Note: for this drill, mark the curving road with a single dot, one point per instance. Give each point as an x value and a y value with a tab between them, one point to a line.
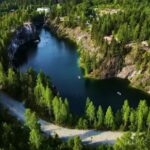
93	137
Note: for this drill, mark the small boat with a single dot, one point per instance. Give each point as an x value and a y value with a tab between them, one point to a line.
36	41
119	93
79	77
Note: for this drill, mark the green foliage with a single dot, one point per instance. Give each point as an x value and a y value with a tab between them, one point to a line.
77	144
43	94
125	112
31	120
131	141
118	119
2	76
100	117
35	138
109	118
82	123
12	134
142	112
132	119
131	24
61	110
90	111
123	22
12	78
15	136
148	121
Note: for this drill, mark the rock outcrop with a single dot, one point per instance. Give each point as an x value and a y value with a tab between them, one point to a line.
23	35
133	66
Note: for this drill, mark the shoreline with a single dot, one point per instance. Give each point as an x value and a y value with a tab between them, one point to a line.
91	137
61	33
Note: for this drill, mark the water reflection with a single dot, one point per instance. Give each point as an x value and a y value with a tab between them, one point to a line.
58	59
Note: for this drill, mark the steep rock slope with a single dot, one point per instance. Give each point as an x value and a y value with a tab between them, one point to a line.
133	65
24	34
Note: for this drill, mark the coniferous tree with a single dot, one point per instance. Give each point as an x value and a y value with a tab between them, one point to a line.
148	121
100	117
56	108
77	143
82	123
125	112
48	97
31	120
109	118
118	119
2	77
142	112
90	112
132	119
35	138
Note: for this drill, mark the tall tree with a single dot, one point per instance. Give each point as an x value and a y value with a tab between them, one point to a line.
61	110
12	78
109	118
2	77
48	97
77	143
118	119
125	112
132	119
148	121
56	108
142	112
39	91
31	120
35	138
90	112
100	117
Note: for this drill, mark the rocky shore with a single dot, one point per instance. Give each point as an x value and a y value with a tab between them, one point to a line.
109	68
24	34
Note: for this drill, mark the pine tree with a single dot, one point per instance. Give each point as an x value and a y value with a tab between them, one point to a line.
31	120
132	119
148	121
142	112
56	108
39	91
77	143
109	118
48	96
11	79
82	123
90	112
60	110
2	77
35	138
123	34
136	32
125	112
87	102
100	117
118	119
63	113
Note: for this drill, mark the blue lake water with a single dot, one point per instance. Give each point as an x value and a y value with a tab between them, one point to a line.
59	60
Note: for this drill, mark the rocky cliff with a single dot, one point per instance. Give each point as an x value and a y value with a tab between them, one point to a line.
23	35
135	65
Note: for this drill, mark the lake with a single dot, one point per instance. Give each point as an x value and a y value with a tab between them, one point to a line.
59	60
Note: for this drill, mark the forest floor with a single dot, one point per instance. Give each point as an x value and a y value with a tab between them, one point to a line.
92	137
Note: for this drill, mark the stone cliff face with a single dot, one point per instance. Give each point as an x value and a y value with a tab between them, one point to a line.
126	68
23	35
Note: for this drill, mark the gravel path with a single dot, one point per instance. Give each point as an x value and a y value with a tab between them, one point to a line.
93	137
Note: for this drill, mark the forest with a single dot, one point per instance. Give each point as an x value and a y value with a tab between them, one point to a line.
130	25
38	94
118	29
